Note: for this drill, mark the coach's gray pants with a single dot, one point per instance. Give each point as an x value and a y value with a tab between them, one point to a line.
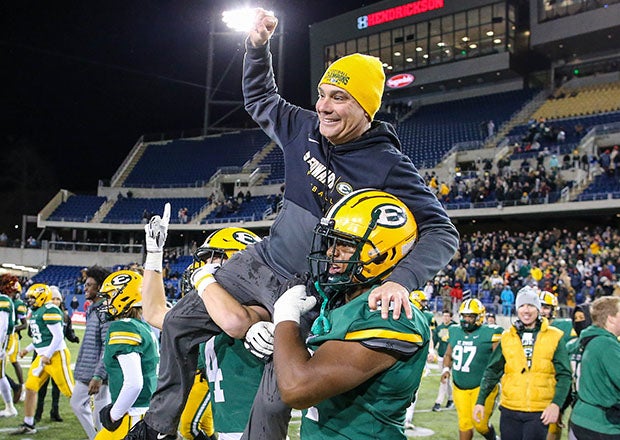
81	405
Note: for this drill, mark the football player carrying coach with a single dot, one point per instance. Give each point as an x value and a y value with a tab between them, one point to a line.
328	153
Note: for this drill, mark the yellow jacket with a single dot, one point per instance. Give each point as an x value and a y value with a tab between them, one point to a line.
533	389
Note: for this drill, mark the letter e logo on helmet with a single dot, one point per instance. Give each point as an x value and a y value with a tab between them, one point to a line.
391	216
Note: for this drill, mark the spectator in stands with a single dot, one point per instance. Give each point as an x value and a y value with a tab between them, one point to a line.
605	161
490	128
75	304
248	196
554	163
4	239
507	298
456	295
596	414
91	379
344	113
614	159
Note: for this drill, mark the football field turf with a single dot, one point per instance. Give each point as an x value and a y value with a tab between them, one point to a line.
442	424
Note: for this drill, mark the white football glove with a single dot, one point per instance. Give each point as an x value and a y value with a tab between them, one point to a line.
157	231
292	304
259	339
203	276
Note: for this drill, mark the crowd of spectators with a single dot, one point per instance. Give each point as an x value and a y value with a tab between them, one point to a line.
577	266
529	184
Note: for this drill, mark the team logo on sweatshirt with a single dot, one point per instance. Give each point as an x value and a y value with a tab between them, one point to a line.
344	188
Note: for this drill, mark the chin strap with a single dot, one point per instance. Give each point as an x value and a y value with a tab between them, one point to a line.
321	324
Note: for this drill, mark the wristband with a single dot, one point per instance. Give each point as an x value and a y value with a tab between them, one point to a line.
445	370
205	281
154	261
95	377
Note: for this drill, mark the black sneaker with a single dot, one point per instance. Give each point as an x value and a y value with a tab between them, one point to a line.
142	431
55	417
24	428
450	404
436	407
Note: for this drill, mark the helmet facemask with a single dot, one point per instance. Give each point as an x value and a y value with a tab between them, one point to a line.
119	294
475	308
327	240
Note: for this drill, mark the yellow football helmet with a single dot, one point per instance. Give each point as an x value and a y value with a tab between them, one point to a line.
38	295
224	243
378	225
419	299
550	300
120	291
472	307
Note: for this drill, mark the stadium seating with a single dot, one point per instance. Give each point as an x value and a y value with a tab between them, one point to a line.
133	210
78	208
587	100
433	130
603	187
189	162
251	210
275	159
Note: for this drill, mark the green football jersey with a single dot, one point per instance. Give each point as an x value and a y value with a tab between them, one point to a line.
6	305
566	325
234	375
471	352
21	309
39	323
376	408
440	337
126	336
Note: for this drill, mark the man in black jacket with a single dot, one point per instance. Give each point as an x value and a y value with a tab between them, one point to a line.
328	153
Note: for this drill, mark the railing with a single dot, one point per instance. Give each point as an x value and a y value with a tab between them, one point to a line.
95	247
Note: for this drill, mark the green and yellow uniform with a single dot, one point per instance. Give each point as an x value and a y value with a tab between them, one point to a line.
126	336
470	353
20	312
6	307
441	336
44	344
377	406
234	375
197	414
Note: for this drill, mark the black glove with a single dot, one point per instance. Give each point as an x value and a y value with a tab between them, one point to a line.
106	420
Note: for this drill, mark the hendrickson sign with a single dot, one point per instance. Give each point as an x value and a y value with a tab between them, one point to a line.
398	12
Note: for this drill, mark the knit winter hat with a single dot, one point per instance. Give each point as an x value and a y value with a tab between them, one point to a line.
527	295
56	292
360	75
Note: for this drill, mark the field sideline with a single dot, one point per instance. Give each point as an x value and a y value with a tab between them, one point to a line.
443	423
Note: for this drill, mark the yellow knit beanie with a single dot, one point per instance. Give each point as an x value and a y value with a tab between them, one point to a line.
360	75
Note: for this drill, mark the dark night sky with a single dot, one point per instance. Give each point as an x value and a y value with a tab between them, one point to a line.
84	79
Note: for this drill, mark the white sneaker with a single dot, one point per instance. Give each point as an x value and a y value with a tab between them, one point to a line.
8	412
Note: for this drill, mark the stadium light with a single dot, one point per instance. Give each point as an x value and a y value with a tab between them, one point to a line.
240	20
237	21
